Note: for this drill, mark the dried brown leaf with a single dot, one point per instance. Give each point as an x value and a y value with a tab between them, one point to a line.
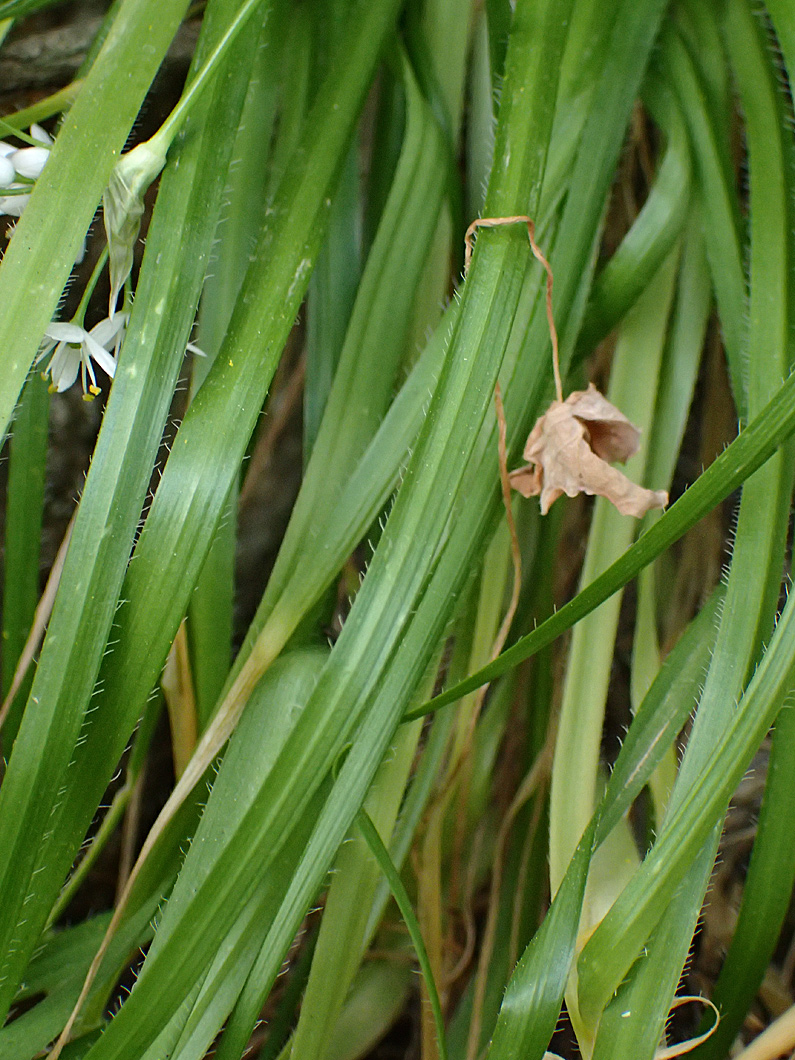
570	450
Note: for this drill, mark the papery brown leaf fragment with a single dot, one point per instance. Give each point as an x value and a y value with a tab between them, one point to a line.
570	450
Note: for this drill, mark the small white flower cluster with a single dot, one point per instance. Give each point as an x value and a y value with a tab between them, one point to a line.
19	168
75	348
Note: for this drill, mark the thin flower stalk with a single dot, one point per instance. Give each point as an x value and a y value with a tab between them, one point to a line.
123	201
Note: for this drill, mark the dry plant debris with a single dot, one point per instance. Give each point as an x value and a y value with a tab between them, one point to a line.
570	450
571	447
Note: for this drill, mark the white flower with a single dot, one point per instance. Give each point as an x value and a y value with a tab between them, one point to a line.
76	349
25	162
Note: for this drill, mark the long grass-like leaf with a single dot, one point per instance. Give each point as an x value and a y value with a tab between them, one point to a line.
41	826
144	621
374	346
772	868
633	388
376	844
715	179
784	24
649	241
55	975
765	895
535	993
382	611
347	916
369	744
211	605
192	1028
190	496
690	824
24	511
755	574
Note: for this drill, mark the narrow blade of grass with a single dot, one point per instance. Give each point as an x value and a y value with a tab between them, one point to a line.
37	841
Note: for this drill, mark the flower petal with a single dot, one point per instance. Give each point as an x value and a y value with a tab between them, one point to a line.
123	207
44	349
107	329
13	205
37	133
7	172
64	366
30	161
105	360
63	332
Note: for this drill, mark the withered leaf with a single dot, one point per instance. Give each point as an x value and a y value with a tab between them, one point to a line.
570	450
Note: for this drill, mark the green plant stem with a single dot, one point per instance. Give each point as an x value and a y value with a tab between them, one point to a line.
56	103
204	75
85	298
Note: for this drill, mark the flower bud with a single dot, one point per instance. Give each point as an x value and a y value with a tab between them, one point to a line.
41	135
7	173
123	206
30	161
13	205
